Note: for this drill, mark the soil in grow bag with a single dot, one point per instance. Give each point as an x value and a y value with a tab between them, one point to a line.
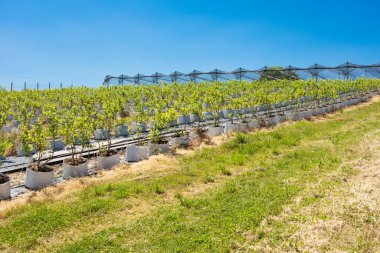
45	168
76	162
107	153
3	178
201	132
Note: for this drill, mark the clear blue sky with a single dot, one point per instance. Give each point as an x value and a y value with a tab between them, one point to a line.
81	41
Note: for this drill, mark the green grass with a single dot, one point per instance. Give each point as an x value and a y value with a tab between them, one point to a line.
278	166
216	221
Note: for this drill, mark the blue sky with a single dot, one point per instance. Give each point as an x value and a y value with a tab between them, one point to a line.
80	41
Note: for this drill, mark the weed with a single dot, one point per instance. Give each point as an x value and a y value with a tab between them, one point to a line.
159	189
208	179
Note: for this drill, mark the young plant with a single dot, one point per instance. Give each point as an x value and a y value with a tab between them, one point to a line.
69	132
214	98
37	137
108	120
161	121
5	144
3	117
84	127
53	123
195	103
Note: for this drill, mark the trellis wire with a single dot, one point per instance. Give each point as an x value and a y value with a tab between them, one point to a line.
318	72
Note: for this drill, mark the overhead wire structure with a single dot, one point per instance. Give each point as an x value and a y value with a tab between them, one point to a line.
343	71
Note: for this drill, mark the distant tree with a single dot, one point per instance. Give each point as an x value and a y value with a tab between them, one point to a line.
278	73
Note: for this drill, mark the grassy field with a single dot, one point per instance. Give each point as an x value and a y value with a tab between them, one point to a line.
233	197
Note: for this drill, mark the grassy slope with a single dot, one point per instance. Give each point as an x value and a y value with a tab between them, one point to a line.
338	213
275	167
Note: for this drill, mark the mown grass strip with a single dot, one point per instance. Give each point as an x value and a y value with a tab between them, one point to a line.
212	222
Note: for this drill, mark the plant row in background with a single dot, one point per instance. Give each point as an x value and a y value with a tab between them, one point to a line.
41	122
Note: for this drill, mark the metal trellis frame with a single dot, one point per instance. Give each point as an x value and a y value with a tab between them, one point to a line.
318	72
